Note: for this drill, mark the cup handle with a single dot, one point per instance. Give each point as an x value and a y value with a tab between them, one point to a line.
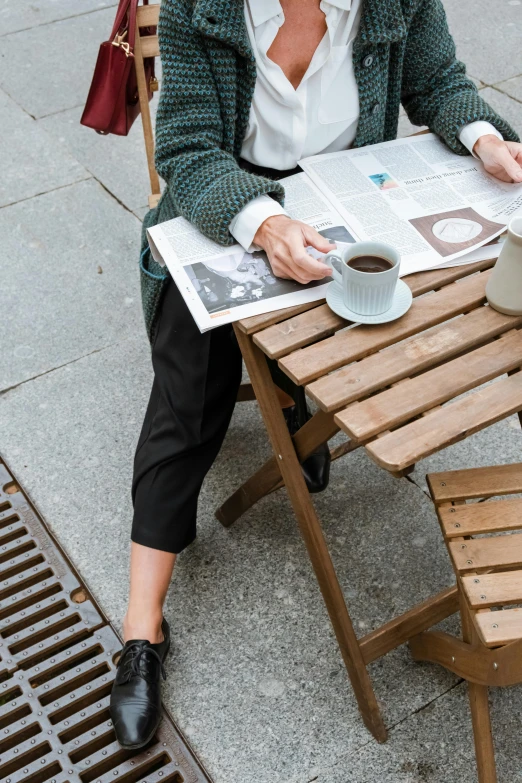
337	276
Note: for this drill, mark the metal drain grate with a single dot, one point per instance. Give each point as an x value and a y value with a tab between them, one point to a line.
57	653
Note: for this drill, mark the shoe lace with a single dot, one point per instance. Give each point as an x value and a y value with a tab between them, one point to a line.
132	659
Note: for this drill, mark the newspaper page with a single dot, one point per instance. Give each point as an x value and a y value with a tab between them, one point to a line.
224	284
432	205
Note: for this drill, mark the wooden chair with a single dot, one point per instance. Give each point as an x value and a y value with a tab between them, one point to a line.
489	577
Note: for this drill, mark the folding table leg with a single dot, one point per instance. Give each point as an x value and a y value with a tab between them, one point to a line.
312	534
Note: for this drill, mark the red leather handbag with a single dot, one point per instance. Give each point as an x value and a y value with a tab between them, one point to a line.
113	102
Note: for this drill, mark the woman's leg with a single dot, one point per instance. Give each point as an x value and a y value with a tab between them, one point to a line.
196	378
150	575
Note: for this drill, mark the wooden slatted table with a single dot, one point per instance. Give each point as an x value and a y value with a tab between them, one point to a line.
396	391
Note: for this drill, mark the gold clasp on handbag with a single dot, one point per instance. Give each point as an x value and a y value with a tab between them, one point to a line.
120	41
153	84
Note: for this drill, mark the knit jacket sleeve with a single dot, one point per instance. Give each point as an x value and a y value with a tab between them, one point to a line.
435	89
204	181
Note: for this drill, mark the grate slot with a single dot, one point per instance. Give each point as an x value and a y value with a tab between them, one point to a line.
18	532
19	733
65	666
18	548
88	724
21	760
24	565
80	704
10	520
43	655
12	717
62	625
86	677
5	506
29	602
11	695
39	774
34	619
90	748
27	583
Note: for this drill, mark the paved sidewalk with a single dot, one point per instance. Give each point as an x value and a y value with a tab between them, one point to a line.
255	678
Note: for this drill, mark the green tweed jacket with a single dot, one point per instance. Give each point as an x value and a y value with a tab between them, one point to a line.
209	75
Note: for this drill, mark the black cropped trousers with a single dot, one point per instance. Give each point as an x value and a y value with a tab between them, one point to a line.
196	380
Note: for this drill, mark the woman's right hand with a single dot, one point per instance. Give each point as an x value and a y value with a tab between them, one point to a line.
285	242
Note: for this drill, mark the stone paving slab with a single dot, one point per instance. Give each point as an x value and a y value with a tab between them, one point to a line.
508	108
488	37
435	745
255	679
22	14
119	163
49	68
36	163
55	244
512	87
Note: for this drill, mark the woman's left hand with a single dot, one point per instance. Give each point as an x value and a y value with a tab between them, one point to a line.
502	159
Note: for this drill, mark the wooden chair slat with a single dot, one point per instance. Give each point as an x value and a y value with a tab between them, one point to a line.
475	483
478	518
491	552
497	628
150	46
408	358
406	400
447	425
148	15
500	589
307	364
284	337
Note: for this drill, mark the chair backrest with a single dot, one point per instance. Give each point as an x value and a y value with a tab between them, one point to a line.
147	46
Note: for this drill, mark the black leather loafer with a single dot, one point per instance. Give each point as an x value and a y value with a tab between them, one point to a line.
316	467
136	693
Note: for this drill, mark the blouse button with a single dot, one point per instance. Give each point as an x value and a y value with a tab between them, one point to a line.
368	60
376	109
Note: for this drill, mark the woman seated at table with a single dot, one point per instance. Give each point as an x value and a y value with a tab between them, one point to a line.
249	88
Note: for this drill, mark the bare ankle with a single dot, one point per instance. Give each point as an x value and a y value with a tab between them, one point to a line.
143	625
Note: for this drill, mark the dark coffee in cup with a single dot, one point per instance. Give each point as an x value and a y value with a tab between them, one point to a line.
370	264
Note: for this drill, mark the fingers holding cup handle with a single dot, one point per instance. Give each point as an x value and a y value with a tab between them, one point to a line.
334	255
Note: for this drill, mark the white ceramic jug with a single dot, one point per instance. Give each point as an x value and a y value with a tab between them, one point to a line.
504	288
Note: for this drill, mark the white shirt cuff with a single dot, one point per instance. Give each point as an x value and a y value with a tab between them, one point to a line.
245	224
469	134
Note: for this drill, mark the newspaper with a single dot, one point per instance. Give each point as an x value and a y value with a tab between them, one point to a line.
437	208
433	206
224	284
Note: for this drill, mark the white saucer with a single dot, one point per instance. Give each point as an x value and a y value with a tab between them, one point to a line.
401	304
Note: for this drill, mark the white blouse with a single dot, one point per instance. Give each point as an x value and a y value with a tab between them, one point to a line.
288	124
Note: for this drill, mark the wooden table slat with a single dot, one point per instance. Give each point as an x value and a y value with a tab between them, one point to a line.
420	283
471	519
403	402
498	589
383	368
458	485
498	628
448	425
307	364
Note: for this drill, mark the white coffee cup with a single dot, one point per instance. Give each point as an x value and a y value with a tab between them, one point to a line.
366	293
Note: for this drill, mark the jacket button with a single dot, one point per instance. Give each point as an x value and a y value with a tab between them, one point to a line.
211	20
368	60
376	109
